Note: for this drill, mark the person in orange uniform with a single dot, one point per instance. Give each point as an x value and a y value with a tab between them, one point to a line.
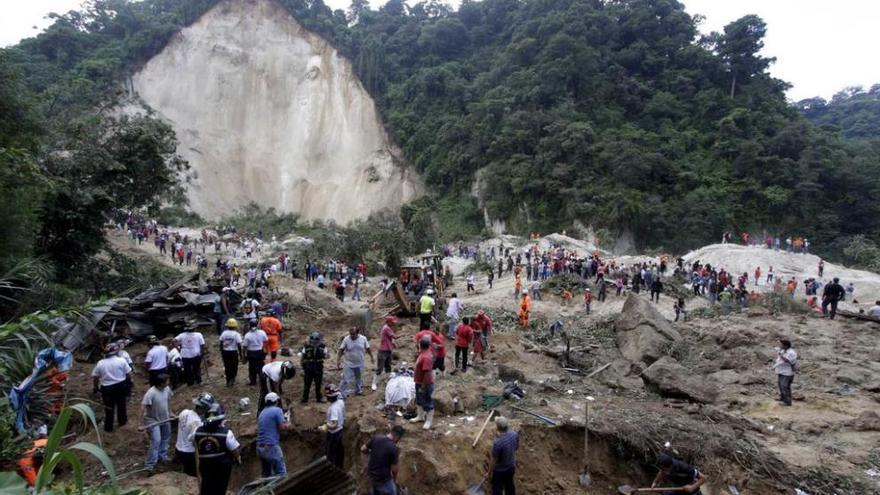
525	307
30	461
270	324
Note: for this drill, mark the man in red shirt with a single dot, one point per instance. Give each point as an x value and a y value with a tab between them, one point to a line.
424	379
439	346
386	346
425	332
464	335
483	321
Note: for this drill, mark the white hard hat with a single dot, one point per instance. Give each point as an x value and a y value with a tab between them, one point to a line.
525	292
429	291
271	397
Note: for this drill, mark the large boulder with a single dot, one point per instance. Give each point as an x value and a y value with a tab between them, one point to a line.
670	379
643	333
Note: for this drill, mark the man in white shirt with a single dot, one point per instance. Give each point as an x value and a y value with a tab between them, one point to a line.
453	314
156	361
786	357
875	310
254	342
249	307
335	421
353	347
192	348
230	350
187	423
175	363
110	376
271	377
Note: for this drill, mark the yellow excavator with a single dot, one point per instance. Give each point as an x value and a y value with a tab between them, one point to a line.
415	278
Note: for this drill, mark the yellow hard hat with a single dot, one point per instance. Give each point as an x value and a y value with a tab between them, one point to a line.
232	324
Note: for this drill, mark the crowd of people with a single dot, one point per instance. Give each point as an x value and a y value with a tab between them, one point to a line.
251	332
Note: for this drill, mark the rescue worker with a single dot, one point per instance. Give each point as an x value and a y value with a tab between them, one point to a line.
386	348
192	351
156	361
426	309
333	425
312	356
216	449
424	380
271	422
588	299
525	307
831	295
675	473
274	332
248	308
254	342
271	377
188	421
30	461
230	350
110	378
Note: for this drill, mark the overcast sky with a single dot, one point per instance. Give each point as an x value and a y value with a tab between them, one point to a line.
820	46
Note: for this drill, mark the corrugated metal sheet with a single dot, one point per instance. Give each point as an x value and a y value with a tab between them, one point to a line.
319	477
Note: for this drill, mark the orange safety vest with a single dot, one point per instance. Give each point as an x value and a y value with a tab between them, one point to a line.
27	464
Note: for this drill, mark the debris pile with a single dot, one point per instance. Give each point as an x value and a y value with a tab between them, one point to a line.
155	311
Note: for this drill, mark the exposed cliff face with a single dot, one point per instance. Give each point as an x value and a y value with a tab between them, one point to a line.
268	112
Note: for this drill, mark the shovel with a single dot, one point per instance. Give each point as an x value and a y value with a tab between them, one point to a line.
628	490
584	479
477	488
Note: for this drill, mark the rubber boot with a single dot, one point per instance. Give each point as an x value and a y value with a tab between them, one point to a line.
419	417
429	419
375	379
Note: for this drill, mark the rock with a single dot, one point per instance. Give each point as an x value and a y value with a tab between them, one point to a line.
867	421
852	375
444	402
643	333
757	311
668	378
735	338
725	377
510	374
755	378
168	483
872	387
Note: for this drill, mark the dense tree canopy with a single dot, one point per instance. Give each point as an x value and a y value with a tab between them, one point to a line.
854	111
615	114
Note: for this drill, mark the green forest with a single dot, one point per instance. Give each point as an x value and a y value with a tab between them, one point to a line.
614	114
854	111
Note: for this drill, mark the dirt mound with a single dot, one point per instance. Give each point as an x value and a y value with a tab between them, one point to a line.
643	334
743	259
170	483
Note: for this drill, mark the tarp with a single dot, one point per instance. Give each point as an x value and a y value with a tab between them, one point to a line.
18	395
400	390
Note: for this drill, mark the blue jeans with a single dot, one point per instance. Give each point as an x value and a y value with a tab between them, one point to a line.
423	396
160	437
386	488
351	375
272	460
452	325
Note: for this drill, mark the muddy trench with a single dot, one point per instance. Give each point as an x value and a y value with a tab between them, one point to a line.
549	460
